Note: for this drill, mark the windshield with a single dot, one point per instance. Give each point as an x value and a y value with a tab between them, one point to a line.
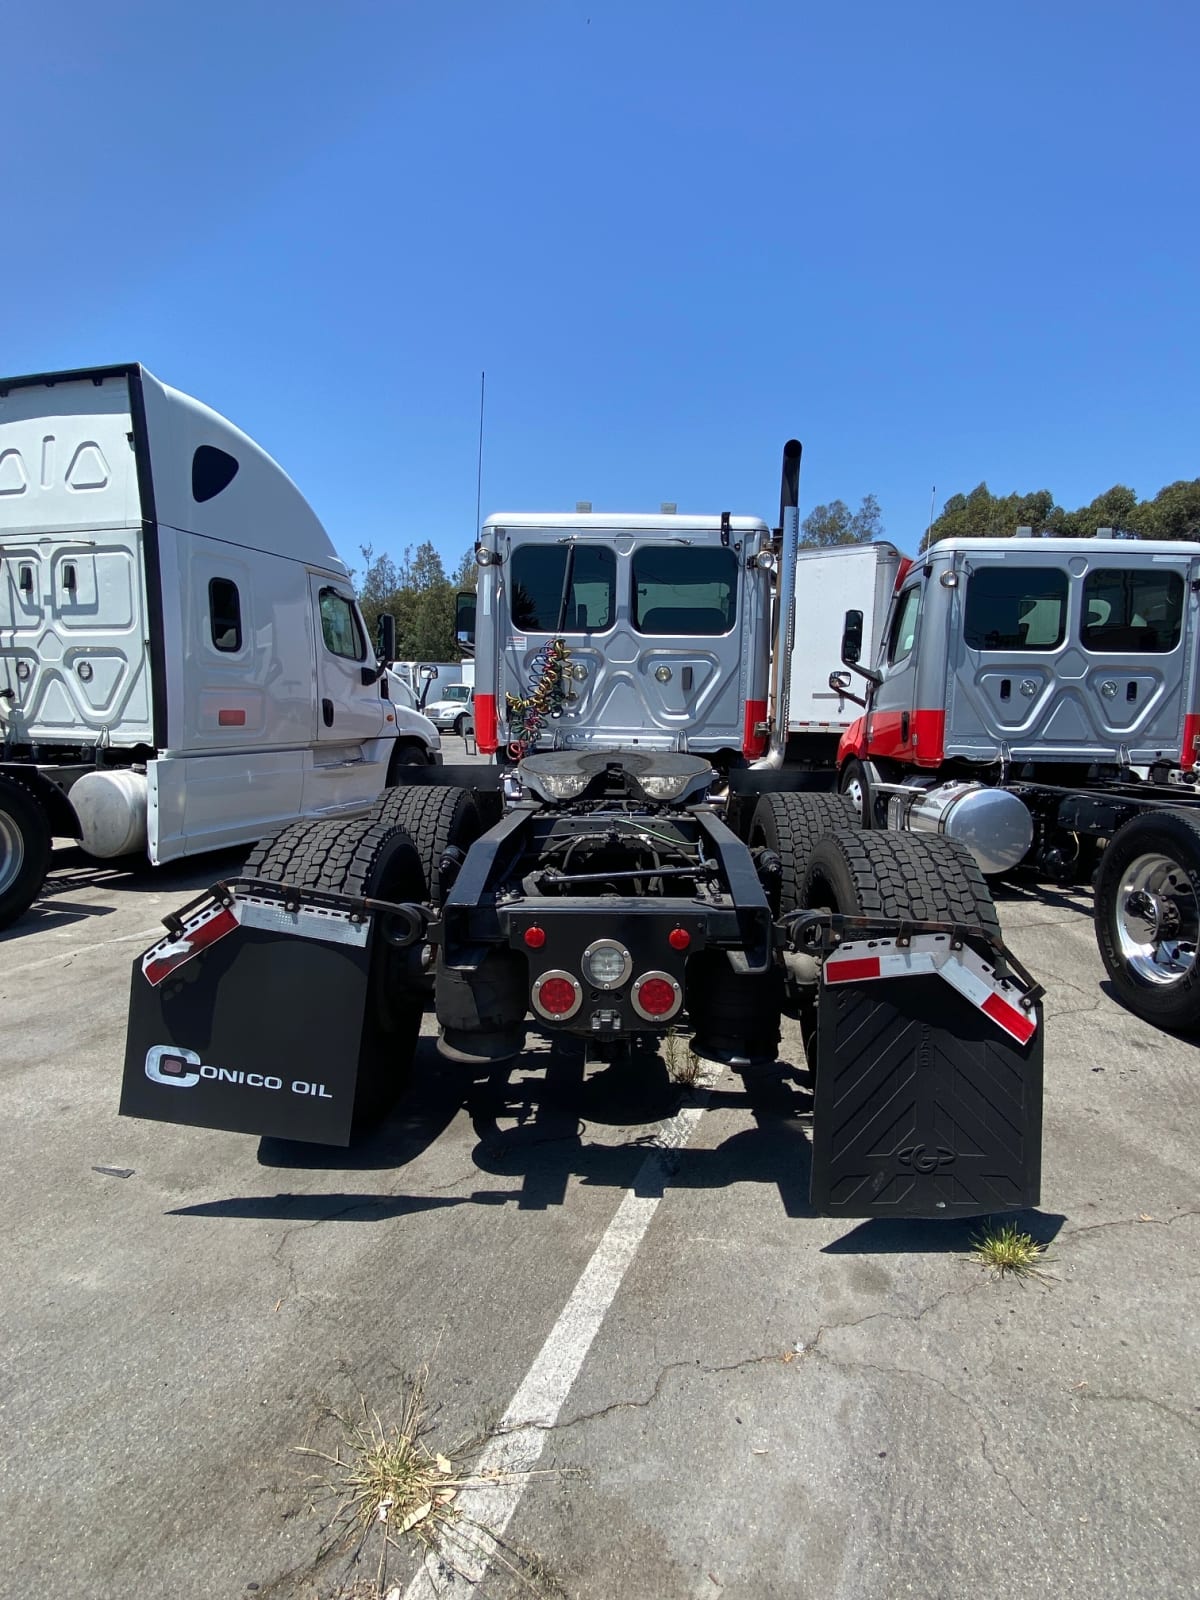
457	691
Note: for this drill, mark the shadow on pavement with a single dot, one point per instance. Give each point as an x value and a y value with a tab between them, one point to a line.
533	1123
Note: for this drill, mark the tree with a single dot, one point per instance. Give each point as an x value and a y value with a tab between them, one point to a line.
984	515
1174	513
836	524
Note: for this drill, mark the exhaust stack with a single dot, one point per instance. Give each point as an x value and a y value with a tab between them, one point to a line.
783	630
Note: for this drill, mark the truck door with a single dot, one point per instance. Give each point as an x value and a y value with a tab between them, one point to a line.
348	710
890	730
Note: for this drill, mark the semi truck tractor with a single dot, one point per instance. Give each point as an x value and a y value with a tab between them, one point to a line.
637	859
1039	700
183	665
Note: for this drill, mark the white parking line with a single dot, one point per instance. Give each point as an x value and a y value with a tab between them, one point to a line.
533	1410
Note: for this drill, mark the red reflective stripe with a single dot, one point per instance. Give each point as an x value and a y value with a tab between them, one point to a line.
1011	1018
1191	733
208	933
926	736
485	723
754	744
851	971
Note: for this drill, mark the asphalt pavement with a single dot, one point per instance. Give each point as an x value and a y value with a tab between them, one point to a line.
704	1390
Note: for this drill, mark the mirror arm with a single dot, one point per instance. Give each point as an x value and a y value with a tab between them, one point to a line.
869	673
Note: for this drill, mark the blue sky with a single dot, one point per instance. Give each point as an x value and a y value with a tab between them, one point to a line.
939	242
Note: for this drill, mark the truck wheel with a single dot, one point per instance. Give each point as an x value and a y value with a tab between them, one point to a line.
460	722
1147	913
24	849
437	819
373	858
406	755
921	876
854	785
791	825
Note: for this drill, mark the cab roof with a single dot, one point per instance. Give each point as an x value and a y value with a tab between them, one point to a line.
620	522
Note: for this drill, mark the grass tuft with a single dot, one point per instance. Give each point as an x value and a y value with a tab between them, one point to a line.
1007	1252
392	1490
684	1066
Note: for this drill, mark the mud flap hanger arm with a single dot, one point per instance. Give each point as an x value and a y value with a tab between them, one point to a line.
413	919
822	932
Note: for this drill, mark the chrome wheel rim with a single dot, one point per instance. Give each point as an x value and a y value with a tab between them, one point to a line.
12	852
1158	919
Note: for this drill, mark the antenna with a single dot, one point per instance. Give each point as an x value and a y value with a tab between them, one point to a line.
479	468
932	504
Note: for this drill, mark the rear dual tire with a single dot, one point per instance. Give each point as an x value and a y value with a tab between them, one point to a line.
370	858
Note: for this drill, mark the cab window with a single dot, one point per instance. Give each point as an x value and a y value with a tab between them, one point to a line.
1016	608
339	627
904	626
679	590
539	573
1132	610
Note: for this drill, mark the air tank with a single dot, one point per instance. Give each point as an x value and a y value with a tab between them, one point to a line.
994	824
111	807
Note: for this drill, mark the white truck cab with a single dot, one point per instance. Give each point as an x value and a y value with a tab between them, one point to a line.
183	664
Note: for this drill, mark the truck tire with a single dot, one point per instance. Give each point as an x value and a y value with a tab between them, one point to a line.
406	754
884	874
24	849
460	723
437	819
854	785
791	825
373	858
1147	914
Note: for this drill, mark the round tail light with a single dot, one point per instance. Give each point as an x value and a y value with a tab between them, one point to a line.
557	995
656	996
534	936
679	938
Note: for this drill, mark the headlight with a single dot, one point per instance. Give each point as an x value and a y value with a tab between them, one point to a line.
606	964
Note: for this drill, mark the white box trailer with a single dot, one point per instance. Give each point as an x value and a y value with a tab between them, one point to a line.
183	664
830	582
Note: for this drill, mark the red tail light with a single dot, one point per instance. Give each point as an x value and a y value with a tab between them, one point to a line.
679	938
656	996
535	937
557	995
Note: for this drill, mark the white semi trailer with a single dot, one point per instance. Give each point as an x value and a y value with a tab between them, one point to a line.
183	665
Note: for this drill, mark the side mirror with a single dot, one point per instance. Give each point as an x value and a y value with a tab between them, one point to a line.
464	618
385	634
852	637
428	674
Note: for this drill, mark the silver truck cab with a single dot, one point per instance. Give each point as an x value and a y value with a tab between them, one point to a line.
1067	651
664	622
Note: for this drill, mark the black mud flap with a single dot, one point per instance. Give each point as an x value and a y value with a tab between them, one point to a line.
928	1099
248	1018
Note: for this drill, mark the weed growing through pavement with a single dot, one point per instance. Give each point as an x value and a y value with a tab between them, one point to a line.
391	1490
684	1066
1007	1252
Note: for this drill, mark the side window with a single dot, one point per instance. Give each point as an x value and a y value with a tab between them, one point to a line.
1016	608
225	614
904	626
1132	610
339	627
